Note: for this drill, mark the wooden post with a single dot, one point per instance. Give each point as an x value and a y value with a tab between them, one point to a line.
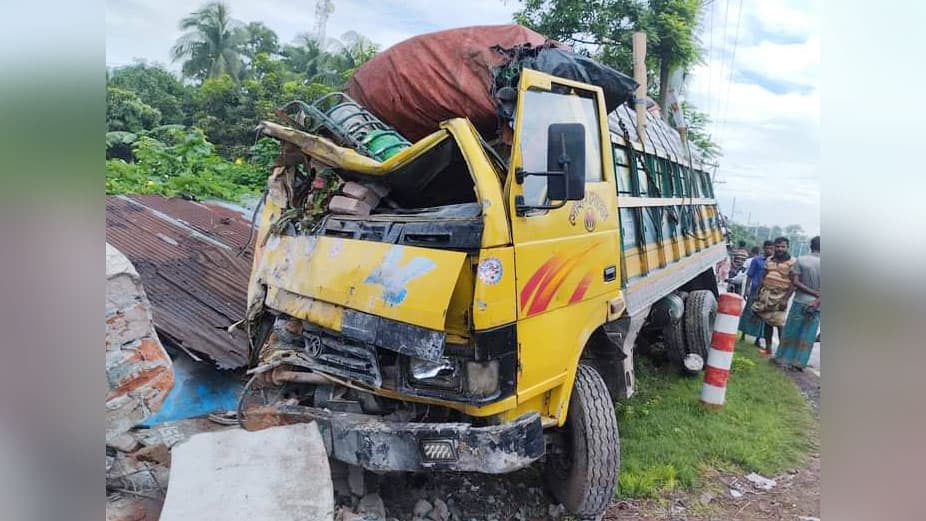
639	74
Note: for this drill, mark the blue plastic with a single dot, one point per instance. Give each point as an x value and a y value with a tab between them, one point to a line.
199	389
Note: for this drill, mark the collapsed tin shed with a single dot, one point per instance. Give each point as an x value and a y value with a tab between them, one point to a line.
187	254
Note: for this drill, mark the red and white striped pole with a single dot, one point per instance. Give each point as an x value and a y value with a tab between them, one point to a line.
720	356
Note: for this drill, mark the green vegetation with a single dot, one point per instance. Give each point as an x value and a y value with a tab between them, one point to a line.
604	30
756	235
668	439
195	136
183	163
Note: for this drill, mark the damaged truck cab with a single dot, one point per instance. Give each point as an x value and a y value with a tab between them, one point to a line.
489	321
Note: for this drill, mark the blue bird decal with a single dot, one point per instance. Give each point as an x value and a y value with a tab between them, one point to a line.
394	278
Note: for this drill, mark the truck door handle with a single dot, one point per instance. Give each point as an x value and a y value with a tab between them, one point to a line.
610	273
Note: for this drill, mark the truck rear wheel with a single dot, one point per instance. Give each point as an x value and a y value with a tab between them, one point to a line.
582	472
674	337
700	311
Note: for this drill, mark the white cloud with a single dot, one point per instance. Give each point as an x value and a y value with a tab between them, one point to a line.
786	18
766	112
797	63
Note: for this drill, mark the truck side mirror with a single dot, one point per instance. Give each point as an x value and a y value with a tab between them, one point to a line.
566	153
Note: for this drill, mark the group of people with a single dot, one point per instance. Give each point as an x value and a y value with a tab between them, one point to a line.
772	278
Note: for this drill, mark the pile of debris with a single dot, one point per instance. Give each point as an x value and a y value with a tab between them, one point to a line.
168	422
366	496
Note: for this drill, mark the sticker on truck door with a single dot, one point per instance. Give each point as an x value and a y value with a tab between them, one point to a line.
490	271
592	209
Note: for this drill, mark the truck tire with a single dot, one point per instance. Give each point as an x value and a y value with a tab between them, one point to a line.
583	474
674	337
700	311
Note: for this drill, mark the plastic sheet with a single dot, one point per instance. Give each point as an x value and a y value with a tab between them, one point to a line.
417	83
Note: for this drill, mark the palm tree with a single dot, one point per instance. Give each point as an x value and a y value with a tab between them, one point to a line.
352	51
337	60
305	55
211	44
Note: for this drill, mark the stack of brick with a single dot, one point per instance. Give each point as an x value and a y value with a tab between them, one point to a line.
138	369
357	199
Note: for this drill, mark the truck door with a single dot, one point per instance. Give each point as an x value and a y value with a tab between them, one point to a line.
566	252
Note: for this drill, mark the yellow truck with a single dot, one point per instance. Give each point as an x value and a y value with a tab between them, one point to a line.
490	322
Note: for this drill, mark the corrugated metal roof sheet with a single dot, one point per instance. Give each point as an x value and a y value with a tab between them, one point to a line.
186	253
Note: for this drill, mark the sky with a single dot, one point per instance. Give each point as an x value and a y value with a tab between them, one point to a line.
759	82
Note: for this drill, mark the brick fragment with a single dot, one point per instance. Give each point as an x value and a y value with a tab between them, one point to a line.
346	206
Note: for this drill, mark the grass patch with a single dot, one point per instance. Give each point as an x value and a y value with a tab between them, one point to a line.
668	439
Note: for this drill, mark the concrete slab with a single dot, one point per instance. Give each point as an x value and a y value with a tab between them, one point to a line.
280	473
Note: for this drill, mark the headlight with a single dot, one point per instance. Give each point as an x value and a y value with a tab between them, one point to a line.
426	369
475	379
444	373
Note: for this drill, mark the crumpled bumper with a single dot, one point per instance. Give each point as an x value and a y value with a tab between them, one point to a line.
379	445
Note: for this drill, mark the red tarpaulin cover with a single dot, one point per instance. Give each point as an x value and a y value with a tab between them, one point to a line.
417	83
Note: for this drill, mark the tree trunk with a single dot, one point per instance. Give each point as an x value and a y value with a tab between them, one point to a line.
663	86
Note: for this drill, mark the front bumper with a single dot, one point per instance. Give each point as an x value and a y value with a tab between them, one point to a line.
379	445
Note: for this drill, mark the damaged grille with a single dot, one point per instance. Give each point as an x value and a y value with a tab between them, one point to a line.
353	362
321	351
363	351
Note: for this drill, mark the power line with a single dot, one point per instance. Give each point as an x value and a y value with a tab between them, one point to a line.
715	110
710	49
739	16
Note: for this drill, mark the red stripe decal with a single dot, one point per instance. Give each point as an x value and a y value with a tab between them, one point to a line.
553	277
550	286
534	281
730	304
723	341
552	274
545	296
716	377
581	288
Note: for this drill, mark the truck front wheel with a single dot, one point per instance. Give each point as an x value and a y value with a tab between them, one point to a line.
582	471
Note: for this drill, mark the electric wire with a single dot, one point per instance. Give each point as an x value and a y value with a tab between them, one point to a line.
726	106
717	101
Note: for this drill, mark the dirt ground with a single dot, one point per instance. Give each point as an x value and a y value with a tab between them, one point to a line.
520	496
